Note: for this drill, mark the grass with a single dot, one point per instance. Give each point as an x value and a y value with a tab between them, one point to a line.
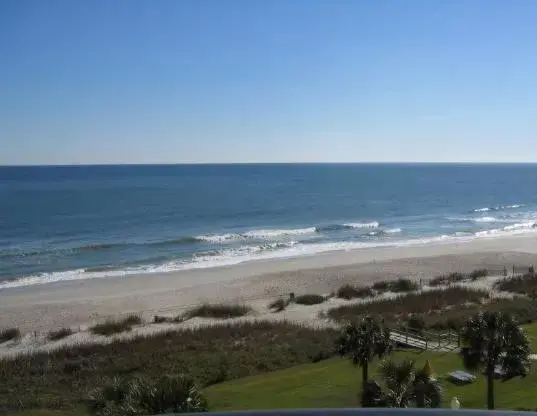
278	305
526	284
221	311
113	326
9	334
59	380
457	277
399	285
159	319
336	383
434	302
351	292
59	334
309	299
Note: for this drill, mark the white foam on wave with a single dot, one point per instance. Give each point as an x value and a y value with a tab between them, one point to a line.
262	234
485	219
372	224
393	230
499	207
482	209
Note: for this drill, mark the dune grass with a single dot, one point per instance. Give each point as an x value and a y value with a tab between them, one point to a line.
59	334
351	292
525	284
9	334
219	311
309	299
160	319
61	379
399	285
278	305
115	326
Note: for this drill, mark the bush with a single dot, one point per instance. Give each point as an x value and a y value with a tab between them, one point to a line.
381	286
158	319
478	274
140	397
278	305
309	299
112	326
9	334
399	285
59	334
221	311
447	279
416	323
350	292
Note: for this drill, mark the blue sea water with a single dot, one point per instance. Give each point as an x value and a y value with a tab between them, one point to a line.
62	223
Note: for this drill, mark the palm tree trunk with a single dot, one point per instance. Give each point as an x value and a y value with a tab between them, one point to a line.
365	374
490	387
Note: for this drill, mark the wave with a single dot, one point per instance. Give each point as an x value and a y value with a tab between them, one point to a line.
346	226
485	219
498	208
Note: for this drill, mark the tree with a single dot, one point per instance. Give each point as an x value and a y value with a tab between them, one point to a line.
493	341
362	342
407	387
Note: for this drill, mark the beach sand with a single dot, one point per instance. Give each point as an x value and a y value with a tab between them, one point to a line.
80	303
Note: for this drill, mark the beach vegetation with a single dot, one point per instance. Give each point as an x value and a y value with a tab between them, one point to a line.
218	311
362	342
162	319
351	292
399	285
525	284
407	386
309	299
278	305
478	274
9	334
59	334
493	342
141	396
206	354
115	326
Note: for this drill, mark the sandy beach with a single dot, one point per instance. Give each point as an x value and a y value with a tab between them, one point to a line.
79	303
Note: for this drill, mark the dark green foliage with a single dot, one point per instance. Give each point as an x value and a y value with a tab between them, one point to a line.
61	378
406	386
140	396
309	299
350	292
416	323
111	326
372	395
362	342
278	305
9	334
220	311
59	334
526	284
159	319
399	285
492	339
478	274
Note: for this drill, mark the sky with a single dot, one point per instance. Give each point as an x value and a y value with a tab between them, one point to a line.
203	81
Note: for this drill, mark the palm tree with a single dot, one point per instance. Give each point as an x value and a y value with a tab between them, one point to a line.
408	387
362	342
491	341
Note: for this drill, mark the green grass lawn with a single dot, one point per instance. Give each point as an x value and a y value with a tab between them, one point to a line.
336	383
531	332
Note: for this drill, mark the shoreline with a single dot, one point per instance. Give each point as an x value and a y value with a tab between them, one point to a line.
81	302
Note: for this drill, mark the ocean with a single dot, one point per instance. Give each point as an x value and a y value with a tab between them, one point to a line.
78	222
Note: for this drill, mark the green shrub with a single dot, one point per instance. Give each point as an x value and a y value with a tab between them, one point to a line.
525	284
143	397
416	323
112	326
278	305
9	334
159	319
350	292
478	274
447	279
59	334
381	286
403	285
309	299
221	311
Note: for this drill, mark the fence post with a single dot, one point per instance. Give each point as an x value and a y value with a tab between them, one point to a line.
513	269
426	344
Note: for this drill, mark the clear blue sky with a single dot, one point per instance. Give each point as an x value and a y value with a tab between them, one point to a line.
267	81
